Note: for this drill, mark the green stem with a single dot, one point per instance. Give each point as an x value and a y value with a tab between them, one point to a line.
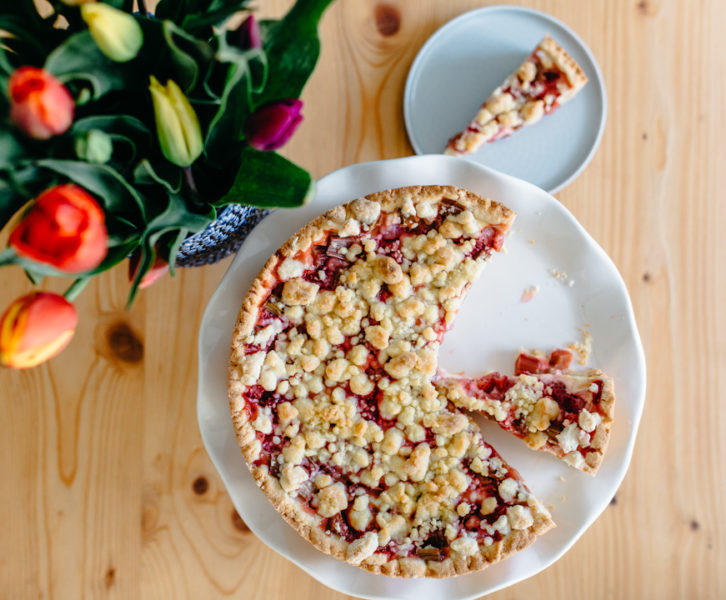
76	288
192	186
8	257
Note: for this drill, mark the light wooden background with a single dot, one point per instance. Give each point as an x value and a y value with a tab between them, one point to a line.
106	490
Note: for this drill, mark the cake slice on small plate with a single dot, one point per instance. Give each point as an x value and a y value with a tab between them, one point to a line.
547	78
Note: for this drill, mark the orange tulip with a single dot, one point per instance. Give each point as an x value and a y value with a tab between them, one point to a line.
65	228
35	328
40	105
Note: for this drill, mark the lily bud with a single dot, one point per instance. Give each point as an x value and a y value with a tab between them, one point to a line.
271	125
40	105
177	125
65	228
94	146
116	33
247	35
35	328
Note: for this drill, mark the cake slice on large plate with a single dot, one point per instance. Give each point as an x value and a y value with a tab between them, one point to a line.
549	407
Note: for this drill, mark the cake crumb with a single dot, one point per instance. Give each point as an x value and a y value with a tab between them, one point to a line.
561	478
561	276
582	349
529	293
531	242
563	499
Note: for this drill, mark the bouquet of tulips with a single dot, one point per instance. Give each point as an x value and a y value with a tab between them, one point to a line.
124	132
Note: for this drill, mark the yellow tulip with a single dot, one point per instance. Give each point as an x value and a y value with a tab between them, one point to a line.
116	33
177	125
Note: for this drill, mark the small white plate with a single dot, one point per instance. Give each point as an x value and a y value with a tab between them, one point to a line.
491	327
466	59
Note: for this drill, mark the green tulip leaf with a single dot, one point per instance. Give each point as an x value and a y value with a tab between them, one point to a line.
6	68
292	47
35	277
7	257
78	58
36	271
174	249
173	218
124	129
121	231
268	180
121	125
10	202
195	15
126	5
11	150
115	255
102	181
17	187
187	53
254	58
178	215
227	125
146	174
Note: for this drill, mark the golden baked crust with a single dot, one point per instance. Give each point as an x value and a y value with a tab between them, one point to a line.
431	455
565	62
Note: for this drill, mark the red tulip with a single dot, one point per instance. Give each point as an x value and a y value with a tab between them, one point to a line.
271	125
40	105
35	328
158	269
247	35
64	228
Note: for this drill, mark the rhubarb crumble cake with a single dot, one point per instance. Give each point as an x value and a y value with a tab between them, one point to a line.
342	415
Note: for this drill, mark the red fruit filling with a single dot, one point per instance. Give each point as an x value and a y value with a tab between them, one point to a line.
559	360
528	363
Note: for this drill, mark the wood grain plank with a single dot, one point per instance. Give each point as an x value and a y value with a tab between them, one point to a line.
75	490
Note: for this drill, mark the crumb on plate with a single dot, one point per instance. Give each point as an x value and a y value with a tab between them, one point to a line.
582	349
529	293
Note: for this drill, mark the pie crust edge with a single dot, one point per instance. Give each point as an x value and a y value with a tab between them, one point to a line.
568	65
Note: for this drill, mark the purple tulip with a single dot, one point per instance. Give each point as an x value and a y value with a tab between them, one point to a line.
247	35
271	125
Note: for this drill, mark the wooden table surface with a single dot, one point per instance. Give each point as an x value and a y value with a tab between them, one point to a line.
107	491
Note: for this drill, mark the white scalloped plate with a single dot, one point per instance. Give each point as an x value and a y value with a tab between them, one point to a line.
467	58
492	325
